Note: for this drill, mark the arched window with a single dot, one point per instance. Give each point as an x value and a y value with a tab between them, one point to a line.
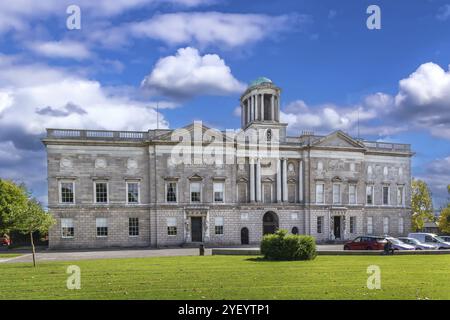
294	230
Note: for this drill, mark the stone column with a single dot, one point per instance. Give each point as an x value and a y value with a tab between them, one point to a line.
285	190
300	181
278	180
258	180
256	108
248	111
273	108
262	107
252	180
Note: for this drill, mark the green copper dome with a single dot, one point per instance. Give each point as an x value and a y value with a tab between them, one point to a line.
259	81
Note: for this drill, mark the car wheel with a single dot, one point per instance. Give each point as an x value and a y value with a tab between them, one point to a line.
418	248
346	248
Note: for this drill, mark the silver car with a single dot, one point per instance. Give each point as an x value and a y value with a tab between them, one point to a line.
445	238
399	245
417	244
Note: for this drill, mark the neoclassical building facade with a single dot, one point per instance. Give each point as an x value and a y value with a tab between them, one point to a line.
199	185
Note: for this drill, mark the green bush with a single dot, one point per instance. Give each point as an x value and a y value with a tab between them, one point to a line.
281	246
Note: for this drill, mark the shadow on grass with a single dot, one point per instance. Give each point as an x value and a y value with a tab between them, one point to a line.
262	259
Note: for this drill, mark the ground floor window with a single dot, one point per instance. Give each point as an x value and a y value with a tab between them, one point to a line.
320	224
385	225
352	224
400	225
102	227
133	227
369	225
218	225
67	229
172	226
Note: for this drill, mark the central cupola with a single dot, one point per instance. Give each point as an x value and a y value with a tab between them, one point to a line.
260	103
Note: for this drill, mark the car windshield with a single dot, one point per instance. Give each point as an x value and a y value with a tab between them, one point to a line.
395	241
439	239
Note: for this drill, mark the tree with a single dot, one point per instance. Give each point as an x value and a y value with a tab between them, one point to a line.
421	204
13	201
444	220
33	219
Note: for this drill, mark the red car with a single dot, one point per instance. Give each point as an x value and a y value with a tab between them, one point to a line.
366	243
5	241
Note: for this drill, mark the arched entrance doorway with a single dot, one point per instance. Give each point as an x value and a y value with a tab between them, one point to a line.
270	222
244	236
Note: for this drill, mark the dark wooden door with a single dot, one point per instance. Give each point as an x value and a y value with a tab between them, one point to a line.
337	227
196	229
244	236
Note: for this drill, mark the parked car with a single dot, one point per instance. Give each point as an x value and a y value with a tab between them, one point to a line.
366	243
445	238
5	241
430	238
396	244
417	244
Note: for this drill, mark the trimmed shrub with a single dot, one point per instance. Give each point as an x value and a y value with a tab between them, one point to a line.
281	246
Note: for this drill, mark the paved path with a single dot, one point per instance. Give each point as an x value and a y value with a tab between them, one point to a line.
123	253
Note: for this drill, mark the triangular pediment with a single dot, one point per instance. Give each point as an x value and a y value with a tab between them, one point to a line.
197	131
338	139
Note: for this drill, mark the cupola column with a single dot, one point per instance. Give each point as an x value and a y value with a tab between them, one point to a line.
262	107
272	115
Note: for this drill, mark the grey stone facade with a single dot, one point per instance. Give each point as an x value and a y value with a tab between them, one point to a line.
261	190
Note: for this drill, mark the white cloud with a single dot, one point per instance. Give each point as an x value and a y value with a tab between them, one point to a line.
40	96
443	13
437	176
61	49
205	28
187	74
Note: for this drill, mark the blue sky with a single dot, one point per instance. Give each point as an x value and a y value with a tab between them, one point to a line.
194	58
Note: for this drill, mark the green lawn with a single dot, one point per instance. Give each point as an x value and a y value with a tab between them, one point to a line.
232	277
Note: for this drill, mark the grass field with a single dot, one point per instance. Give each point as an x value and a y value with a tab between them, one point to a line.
232	277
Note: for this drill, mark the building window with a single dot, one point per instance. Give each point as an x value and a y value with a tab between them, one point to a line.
101	192
336	193
172	226
67	230
369	195
385	171
369	170
369	225
319	193
385	195
352	224
320	224
102	227
352	194
319	166
218	191
67	192
218	225
400	196
385	225
132	192
133	227
196	192
171	193
352	167
401	225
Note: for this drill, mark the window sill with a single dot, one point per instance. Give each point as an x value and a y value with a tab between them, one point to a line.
101	237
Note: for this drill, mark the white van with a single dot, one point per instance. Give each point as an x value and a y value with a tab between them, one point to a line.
430	238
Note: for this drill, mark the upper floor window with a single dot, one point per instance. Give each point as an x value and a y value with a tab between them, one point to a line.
218	191
369	225
336	193
102	227
101	192
196	192
400	196
171	192
352	194
67	192
369	195
319	193
132	192
385	171
369	170
401	223
67	229
352	167
385	195
320	166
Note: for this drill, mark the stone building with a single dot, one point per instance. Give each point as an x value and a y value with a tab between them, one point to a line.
195	184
